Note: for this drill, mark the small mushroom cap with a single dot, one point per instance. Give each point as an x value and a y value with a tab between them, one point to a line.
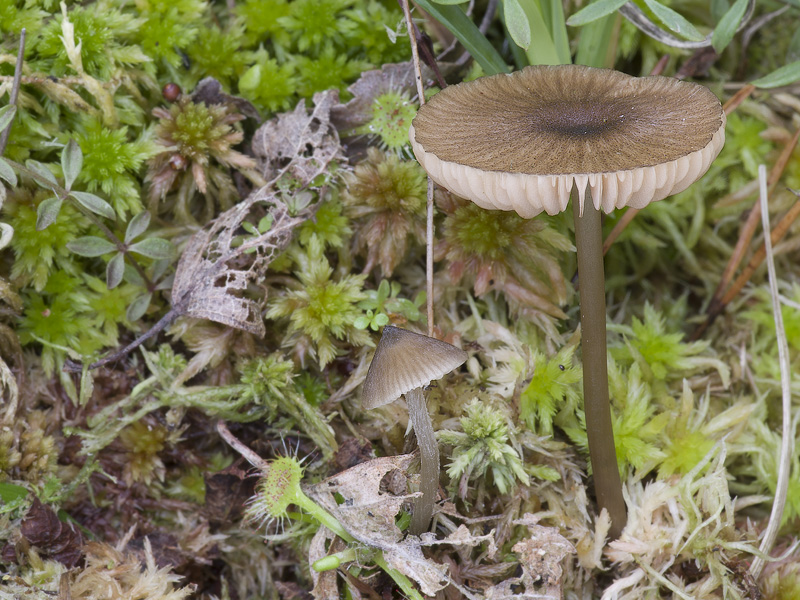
520	141
404	361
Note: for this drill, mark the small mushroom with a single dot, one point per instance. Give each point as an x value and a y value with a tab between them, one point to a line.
405	362
529	140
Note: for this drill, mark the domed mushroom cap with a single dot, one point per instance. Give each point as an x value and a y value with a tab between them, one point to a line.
520	141
404	361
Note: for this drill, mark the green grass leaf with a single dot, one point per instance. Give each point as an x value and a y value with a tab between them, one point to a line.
517	23
784	76
726	28
593	12
674	21
468	34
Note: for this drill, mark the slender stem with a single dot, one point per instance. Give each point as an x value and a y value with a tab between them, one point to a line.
591	281
429	459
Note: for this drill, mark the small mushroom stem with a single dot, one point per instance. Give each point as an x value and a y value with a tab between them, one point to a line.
429	459
591	283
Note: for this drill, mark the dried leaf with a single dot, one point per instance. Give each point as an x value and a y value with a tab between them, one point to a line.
540	557
209	91
322	544
358	111
61	541
218	265
298	143
368	514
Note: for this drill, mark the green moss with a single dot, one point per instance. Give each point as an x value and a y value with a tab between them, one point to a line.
324	308
111	161
311	23
103	31
39	253
552	389
269	85
261	20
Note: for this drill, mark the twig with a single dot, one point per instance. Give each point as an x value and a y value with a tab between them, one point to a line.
635	15
720	297
784	463
739	97
429	227
12	99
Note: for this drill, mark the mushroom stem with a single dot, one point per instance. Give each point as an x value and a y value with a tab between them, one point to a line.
429	459
591	283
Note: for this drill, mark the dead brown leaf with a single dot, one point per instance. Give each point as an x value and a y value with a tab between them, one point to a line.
219	263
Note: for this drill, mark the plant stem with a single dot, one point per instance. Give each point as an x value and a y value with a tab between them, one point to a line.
63	194
429	459
591	281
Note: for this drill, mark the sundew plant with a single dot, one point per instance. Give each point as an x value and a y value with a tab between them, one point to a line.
210	211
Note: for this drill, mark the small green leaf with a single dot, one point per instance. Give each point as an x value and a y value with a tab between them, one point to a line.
674	21
784	76
7	173
47	213
137	226
517	23
726	28
115	270
94	204
42	172
87	385
265	224
449	2
380	320
153	248
10	492
7	115
249	228
131	275
361	322
138	307
71	162
6	233
90	246
594	11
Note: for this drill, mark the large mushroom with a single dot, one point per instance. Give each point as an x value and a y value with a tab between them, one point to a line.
405	362
529	140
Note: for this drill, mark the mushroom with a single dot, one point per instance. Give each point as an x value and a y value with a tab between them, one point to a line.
405	362
529	140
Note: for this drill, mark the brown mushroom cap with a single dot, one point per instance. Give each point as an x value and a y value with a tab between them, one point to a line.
520	141
404	361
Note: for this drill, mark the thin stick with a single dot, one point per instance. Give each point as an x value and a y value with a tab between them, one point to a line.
787	450
623	222
749	228
12	99
599	429
429	206
739	97
780	230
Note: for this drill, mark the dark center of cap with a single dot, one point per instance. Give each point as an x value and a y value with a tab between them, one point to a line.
583	119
